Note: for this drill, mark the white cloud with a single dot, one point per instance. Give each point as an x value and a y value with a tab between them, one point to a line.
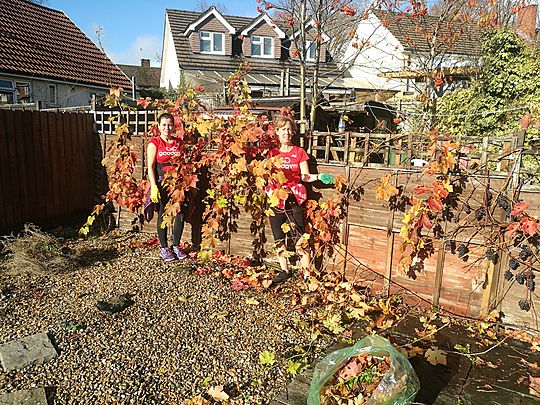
143	47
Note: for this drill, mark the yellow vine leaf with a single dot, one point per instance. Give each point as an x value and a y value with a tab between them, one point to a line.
386	190
285	227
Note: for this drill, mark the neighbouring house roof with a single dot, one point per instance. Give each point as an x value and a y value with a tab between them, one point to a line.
41	42
411	32
180	20
145	76
203	16
268	20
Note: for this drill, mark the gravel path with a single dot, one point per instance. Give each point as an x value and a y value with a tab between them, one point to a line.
184	333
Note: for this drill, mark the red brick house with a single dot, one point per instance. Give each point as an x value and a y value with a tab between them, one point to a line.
205	48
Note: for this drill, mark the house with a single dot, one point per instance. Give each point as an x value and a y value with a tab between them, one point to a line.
205	48
396	52
144	77
46	59
527	22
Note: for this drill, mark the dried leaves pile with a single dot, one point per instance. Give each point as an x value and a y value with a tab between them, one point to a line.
355	381
36	252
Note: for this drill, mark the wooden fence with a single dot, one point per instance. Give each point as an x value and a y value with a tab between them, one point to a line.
47	166
370	249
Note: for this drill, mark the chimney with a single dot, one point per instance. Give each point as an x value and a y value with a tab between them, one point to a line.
526	20
145	63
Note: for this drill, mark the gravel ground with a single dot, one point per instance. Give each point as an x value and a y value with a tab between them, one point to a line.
184	333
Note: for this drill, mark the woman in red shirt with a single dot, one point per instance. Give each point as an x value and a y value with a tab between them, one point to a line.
294	164
159	152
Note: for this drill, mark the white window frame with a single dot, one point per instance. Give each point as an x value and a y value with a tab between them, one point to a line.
54	92
210	37
9	91
259	40
309	44
27	96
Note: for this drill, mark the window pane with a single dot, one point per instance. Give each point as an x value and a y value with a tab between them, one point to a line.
218	42
268	46
255	49
311	50
6	84
6	97
205	35
205	45
52	94
23	92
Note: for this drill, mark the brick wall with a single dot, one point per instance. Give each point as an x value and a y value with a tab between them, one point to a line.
194	42
214	25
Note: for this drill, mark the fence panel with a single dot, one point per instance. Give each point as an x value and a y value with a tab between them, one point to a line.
371	247
47	166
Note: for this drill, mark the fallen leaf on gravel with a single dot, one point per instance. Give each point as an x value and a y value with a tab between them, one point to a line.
534	386
266	283
219	315
267	357
435	356
217	393
198	400
532	366
252	301
182	298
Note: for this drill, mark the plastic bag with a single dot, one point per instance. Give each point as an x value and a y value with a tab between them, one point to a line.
399	384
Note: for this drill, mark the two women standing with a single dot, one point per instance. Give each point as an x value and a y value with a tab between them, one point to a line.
293	162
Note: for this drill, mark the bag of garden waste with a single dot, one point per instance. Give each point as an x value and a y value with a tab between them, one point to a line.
371	372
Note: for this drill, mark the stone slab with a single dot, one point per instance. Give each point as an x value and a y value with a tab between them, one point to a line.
31	350
35	396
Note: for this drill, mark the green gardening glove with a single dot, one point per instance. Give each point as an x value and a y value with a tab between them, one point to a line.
326	178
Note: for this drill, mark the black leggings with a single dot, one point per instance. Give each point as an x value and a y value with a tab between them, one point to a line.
178	226
294	216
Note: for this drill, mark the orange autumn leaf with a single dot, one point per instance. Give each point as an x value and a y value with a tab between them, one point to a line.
385	190
519	208
529	226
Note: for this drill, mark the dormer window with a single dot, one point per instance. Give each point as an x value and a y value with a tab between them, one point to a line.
310	51
212	42
262	47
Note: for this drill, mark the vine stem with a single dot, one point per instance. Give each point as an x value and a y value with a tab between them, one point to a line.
484	352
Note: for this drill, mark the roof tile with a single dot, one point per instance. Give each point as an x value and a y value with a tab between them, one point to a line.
39	41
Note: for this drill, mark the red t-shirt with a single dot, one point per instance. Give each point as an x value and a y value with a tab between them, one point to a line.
290	166
165	151
290	163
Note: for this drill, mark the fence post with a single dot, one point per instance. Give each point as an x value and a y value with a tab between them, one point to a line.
366	150
345	225
484	158
328	138
390	236
519	141
439	274
346	148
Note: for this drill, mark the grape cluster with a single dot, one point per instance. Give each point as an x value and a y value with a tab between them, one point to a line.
480	213
513	263
508	275
491	255
525	305
503	202
530	284
525	253
462	251
520	278
450	245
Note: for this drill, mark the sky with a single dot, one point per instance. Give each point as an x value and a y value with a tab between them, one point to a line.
130	30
